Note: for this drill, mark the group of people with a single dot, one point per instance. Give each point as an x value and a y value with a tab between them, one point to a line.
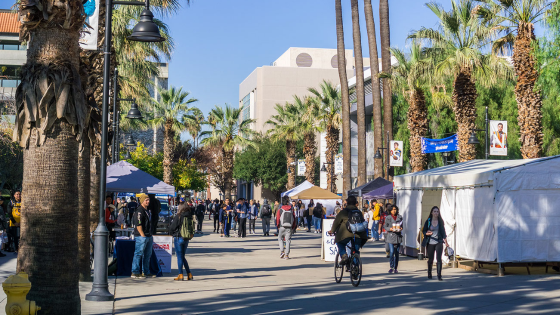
10	216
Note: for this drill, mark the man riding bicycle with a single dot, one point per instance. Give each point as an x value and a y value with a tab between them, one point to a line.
343	228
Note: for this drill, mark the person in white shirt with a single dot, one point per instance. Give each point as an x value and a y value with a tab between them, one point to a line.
369	218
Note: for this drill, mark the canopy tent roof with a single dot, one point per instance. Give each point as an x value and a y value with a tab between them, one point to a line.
125	177
365	188
315	193
470	173
301	187
385	192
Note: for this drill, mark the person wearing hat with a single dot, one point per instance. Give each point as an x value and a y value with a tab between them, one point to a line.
343	235
143	239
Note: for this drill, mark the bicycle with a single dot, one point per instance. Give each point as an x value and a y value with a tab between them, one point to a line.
353	265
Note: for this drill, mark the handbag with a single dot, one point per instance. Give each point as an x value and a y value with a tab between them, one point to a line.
425	240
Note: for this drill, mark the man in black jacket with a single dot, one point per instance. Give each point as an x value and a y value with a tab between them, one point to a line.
200	209
154	209
143	239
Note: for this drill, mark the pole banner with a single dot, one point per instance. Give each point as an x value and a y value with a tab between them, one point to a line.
88	36
440	145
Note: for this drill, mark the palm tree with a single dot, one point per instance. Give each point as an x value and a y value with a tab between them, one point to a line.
457	45
376	88
49	126
517	19
286	126
328	103
411	74
172	105
341	55
385	33
360	93
230	132
308	127
193	124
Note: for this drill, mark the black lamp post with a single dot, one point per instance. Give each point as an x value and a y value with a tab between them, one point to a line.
474	140
146	31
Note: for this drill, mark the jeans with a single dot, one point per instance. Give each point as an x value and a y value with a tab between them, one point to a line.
394	254
233	224
181	245
242	227
317	223
284	234
342	245
216	223
266	225
375	230
309	222
226	227
252	225
199	220
142	253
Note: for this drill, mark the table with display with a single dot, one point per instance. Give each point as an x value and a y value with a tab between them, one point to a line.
124	253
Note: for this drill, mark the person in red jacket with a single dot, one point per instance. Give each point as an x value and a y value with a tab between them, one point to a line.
109	216
286	221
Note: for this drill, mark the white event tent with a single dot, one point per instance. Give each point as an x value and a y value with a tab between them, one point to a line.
494	210
125	177
329	204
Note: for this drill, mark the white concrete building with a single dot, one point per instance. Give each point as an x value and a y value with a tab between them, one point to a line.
13	55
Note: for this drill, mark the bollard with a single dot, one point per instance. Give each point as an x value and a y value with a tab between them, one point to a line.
16	288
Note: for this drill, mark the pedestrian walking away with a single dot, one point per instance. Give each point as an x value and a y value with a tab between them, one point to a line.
286	220
274	213
317	216
143	240
266	215
200	209
216	213
394	227
182	230
434	238
253	214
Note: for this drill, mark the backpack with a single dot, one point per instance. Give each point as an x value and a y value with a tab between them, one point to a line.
318	211
286	219
187	228
356	222
266	211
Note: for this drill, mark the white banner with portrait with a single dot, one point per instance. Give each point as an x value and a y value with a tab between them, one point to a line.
498	137
88	36
395	153
338	164
301	167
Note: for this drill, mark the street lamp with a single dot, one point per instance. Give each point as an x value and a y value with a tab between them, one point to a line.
474	140
129	141
144	31
445	156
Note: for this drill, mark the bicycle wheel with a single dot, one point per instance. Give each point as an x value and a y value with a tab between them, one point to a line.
356	270
338	269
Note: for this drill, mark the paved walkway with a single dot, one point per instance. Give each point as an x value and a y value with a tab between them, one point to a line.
246	276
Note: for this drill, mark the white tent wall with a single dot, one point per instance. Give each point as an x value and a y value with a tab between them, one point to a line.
447	212
410	207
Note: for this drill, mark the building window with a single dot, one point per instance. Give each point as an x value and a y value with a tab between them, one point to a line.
246	103
12	45
10	76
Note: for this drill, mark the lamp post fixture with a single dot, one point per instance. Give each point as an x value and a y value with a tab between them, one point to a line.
474	140
445	157
145	31
379	156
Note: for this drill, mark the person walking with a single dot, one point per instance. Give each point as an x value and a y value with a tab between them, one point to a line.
309	215
274	213
143	240
266	215
216	213
368	216
434	238
200	210
14	215
242	212
394	226
225	219
376	207
234	217
253	214
286	220
182	230
110	218
154	209
317	215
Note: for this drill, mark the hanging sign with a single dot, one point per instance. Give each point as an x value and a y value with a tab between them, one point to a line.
301	168
395	153
440	145
88	36
498	137
338	164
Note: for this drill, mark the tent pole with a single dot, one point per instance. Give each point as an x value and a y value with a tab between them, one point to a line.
455	264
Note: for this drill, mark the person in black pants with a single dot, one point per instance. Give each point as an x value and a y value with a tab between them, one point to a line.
200	209
242	211
434	238
216	206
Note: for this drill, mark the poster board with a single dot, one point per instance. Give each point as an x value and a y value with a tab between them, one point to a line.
329	246
163	248
395	153
301	167
88	37
338	164
498	137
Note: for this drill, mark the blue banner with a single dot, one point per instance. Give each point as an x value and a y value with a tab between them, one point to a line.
440	145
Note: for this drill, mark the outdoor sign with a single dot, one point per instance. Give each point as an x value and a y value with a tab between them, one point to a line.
163	248
301	167
395	153
338	164
498	137
440	145
329	245
88	37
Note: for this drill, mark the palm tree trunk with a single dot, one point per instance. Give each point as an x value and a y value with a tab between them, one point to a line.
464	98
346	149
227	171
386	67
529	101
84	188
332	148
310	150
168	153
360	93
418	126
291	158
376	87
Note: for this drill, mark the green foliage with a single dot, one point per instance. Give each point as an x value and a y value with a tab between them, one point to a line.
11	160
143	160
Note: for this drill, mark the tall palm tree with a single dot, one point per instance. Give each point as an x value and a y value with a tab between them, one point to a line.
172	105
517	19
308	127
360	93
457	44
328	103
346	148
385	33
51	115
286	126
193	124
230	132
411	74
376	87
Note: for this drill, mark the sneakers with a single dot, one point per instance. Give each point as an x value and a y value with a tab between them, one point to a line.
286	257
344	259
137	276
391	270
396	271
282	255
150	275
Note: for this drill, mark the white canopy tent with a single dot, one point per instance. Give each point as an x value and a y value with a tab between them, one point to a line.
494	210
294	191
125	177
329	204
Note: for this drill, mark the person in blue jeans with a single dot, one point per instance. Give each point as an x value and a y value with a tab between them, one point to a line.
184	212
143	239
394	227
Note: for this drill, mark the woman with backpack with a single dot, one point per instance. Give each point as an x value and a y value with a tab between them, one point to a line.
182	229
394	227
434	237
317	216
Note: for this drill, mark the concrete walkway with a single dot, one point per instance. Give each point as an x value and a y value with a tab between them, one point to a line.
246	276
